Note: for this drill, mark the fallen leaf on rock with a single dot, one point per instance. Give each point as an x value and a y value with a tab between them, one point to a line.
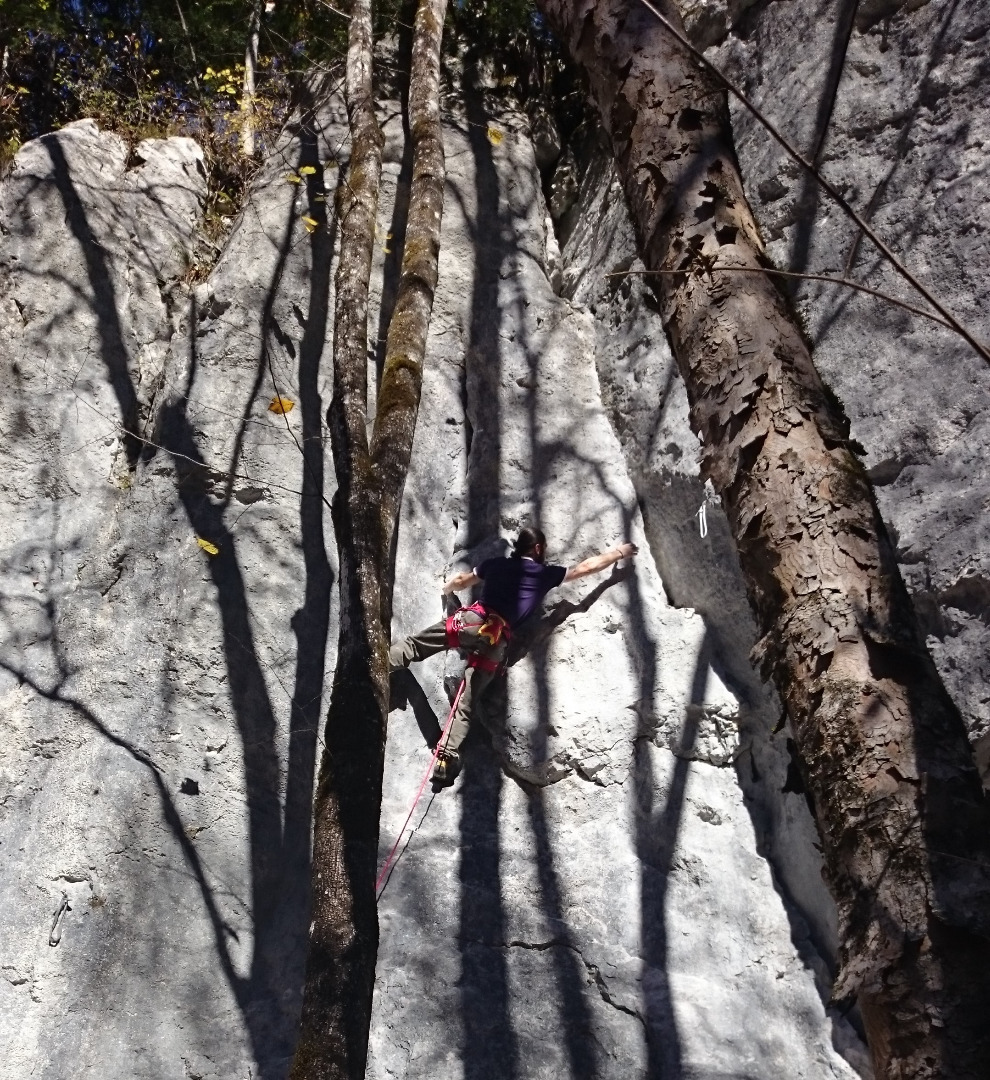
311	223
210	549
307	170
281	405
293	178
495	136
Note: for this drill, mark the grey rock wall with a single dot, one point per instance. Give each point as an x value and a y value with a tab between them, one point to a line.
616	887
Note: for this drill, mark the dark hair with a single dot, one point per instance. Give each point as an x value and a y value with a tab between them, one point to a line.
527	541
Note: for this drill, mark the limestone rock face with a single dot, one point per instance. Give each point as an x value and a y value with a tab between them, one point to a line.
623	882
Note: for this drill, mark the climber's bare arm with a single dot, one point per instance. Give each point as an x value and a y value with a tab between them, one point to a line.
463	580
597	563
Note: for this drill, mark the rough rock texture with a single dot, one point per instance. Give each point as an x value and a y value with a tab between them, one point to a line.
646	402
614	888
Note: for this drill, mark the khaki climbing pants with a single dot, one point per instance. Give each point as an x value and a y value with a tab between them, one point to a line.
432	640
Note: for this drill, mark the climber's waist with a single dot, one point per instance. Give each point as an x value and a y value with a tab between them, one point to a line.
492	627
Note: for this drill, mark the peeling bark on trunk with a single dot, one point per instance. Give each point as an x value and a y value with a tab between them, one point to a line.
900	810
344	931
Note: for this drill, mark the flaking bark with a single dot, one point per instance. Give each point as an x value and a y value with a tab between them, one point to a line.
336	1018
899	806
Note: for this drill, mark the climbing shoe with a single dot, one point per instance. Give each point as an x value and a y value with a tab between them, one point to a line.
446	769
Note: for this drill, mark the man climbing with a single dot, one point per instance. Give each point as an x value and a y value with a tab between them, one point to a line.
512	589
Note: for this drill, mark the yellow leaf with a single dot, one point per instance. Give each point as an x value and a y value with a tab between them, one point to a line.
307	170
292	178
311	223
281	405
319	198
210	549
495	136
387	250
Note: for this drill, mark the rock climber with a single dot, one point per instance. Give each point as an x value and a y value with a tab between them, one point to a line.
512	589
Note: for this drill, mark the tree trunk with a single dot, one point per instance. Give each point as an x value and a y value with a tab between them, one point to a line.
340	969
900	810
248	87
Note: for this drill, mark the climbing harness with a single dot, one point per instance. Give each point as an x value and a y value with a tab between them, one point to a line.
441	742
492	628
483	663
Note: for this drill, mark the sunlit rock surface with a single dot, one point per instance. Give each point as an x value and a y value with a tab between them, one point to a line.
624	881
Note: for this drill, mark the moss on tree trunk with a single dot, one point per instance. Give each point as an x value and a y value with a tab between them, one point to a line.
340	969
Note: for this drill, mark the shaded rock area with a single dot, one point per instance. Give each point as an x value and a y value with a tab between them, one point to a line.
897	119
624	882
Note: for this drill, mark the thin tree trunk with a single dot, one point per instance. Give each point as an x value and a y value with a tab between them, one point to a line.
249	86
900	810
344	931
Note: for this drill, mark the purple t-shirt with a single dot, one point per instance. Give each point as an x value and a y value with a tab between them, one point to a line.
515	587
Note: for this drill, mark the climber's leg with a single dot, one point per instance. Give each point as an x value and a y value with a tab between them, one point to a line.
475	678
419	646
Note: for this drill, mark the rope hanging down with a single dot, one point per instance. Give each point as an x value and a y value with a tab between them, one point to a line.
441	742
827	185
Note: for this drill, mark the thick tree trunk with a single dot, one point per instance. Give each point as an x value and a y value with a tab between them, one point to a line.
902	817
344	932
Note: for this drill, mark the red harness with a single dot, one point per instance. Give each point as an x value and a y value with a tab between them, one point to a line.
493	628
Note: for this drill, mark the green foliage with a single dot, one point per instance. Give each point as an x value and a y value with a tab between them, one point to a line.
495	27
136	68
146	68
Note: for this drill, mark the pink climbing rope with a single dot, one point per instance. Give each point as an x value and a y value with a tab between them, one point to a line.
436	752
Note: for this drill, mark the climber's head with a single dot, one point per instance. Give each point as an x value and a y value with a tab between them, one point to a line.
531	543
